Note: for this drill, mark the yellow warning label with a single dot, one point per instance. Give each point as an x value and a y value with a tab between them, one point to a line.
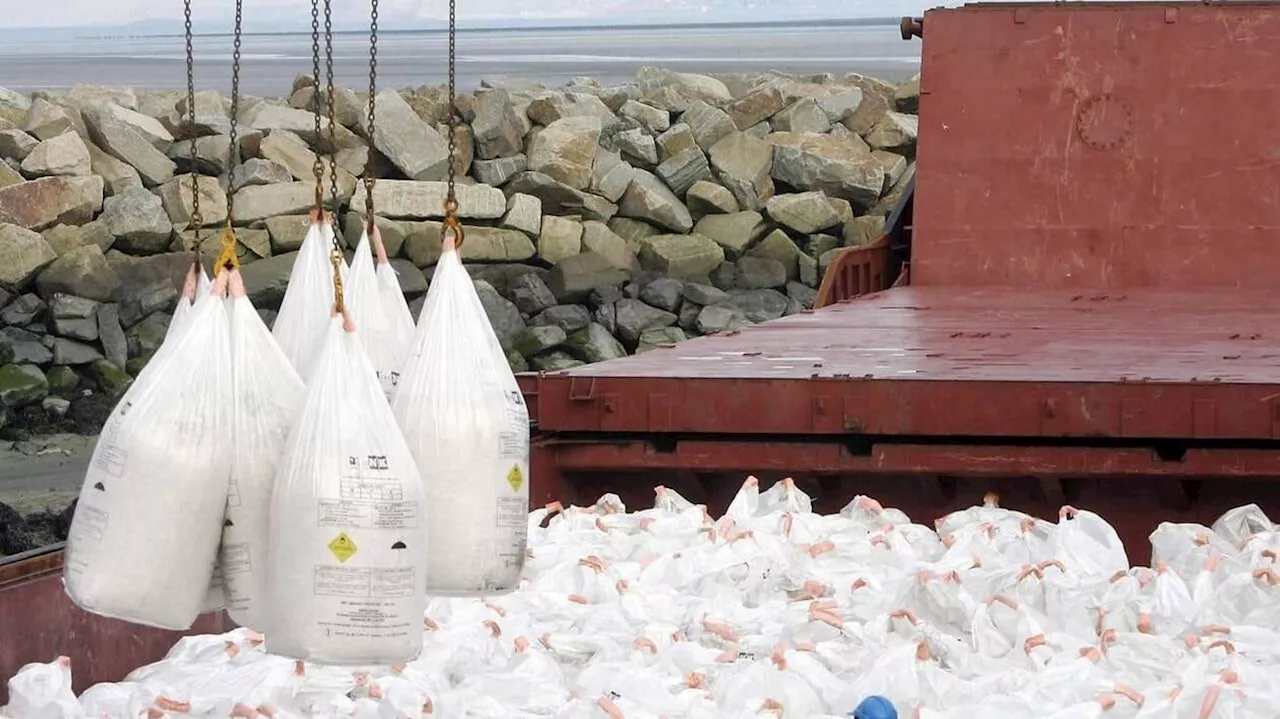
342	547
515	478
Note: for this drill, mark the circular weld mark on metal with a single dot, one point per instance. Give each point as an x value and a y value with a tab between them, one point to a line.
1105	122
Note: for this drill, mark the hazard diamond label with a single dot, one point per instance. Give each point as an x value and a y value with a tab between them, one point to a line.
342	547
515	478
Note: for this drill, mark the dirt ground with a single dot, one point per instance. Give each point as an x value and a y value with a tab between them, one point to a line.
43	472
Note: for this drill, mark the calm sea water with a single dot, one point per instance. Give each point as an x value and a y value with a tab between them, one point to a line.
553	56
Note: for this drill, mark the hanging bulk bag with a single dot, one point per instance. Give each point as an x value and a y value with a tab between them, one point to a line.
266	395
346	555
301	323
145	534
466	422
382	329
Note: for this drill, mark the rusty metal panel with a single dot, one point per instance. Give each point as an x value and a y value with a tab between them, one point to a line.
38	623
953	361
1099	145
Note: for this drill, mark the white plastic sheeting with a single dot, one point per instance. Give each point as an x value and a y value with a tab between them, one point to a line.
467	425
774	611
300	326
346	560
266	396
150	511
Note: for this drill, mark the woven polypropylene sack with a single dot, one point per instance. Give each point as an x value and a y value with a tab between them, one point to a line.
346	556
299	327
266	394
147	525
394	302
386	340
467	425
195	286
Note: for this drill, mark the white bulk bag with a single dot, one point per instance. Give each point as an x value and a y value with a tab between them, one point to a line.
468	428
346	556
193	287
197	286
146	528
266	395
386	340
304	311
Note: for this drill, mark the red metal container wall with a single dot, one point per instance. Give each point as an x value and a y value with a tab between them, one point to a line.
38	622
1099	145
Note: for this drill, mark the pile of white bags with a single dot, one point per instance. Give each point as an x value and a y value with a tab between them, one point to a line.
774	611
468	428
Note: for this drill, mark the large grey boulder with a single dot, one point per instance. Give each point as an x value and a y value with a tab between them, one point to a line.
410	200
822	162
83	272
647	198
708	124
413	146
681	256
735	232
260	202
573	278
805	212
566	149
23	253
594	344
177	198
48	201
138	221
634	317
682	171
553	107
124	142
497	127
742	164
65	154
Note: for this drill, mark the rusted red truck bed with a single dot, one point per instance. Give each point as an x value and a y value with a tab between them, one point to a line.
1094	396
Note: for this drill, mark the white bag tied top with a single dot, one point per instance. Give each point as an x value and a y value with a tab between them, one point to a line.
468	428
304	312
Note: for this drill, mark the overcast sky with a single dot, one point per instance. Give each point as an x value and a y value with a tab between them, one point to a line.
64	13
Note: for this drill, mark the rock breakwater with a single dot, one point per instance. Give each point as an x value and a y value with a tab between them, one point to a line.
600	221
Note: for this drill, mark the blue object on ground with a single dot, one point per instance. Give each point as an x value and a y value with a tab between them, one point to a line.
875	707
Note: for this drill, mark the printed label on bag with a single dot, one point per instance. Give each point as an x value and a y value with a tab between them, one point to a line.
515	478
513	513
342	547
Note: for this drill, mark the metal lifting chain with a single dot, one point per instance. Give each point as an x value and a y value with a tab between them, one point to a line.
369	179
317	167
451	221
197	220
228	258
335	258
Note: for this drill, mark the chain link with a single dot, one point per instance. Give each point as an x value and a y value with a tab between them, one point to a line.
369	179
317	167
333	130
233	148
227	258
451	221
197	220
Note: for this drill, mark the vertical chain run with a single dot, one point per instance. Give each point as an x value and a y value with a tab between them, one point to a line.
335	258
197	220
451	221
369	179
333	129
233	149
317	168
227	258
